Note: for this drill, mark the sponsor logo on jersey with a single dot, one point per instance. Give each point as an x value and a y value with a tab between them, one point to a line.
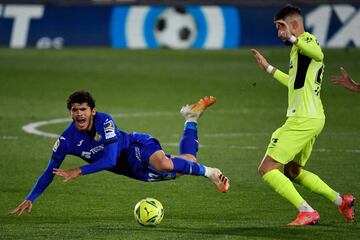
97	149
86	155
92	151
109	129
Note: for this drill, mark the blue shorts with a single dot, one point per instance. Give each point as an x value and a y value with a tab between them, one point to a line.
141	147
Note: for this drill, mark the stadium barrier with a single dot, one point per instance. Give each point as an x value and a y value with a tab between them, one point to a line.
182	27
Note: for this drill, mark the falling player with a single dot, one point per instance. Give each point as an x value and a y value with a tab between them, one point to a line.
94	137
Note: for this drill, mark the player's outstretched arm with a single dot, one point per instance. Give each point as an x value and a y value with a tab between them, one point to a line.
263	63
346	81
108	161
25	205
44	180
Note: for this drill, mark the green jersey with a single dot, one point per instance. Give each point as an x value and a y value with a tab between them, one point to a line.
304	78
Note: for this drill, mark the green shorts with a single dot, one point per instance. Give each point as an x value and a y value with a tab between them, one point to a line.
294	140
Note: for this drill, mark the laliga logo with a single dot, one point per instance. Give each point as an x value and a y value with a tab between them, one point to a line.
349	30
209	27
21	15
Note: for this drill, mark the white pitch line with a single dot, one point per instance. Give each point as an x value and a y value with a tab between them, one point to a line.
6	137
143	114
256	148
32	128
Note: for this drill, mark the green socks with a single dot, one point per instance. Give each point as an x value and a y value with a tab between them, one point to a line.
312	182
282	185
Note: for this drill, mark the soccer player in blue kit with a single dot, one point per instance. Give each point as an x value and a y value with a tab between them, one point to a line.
94	137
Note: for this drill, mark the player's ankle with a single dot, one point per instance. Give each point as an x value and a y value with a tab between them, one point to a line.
190	120
338	200
305	207
208	171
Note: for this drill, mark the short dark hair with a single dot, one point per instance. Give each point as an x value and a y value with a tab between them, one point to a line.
288	10
81	97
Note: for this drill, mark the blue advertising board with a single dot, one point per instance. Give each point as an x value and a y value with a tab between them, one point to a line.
204	27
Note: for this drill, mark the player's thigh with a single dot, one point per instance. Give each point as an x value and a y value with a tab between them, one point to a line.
303	156
160	161
296	135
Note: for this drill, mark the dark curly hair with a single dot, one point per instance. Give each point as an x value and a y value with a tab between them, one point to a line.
81	97
288	10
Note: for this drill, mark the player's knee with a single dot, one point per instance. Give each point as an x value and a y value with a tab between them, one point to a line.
163	164
291	173
268	164
262	170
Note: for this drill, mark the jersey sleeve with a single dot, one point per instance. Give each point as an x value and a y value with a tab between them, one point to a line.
43	181
110	130
108	160
309	46
59	152
282	77
59	149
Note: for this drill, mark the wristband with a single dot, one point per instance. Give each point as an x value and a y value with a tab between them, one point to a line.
269	69
292	39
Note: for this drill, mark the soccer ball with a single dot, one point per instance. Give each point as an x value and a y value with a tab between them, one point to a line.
149	212
175	28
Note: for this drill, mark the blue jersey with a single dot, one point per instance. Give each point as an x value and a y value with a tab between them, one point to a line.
101	147
104	147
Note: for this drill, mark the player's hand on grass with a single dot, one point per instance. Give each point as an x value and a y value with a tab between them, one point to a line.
260	59
25	205
345	81
67	174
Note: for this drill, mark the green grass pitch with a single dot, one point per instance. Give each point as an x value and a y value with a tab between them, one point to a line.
144	90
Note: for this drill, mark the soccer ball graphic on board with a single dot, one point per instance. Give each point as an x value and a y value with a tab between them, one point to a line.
175	28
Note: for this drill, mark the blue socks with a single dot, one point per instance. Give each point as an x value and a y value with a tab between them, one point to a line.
188	145
189	141
188	167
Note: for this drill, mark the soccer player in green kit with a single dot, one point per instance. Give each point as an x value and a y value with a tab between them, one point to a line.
291	145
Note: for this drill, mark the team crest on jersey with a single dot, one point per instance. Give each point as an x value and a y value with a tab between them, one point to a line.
109	129
56	145
97	137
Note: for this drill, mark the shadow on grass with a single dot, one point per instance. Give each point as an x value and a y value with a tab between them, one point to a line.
251	232
113	228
